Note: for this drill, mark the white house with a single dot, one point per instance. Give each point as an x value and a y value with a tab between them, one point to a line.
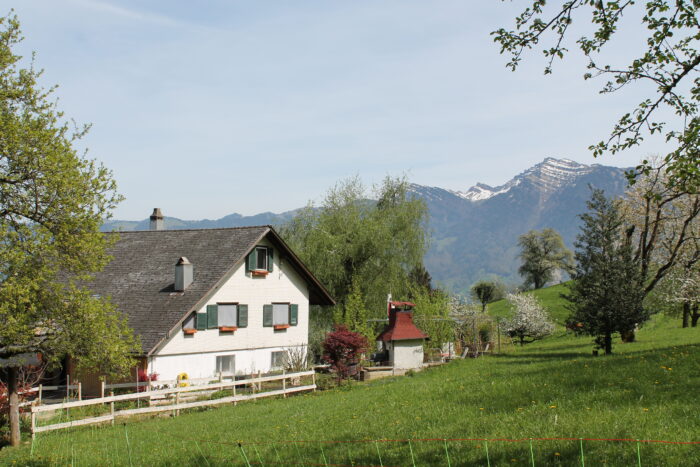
232	300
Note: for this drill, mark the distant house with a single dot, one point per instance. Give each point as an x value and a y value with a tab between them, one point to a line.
202	302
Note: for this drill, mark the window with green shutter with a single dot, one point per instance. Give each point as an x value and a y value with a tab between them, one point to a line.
201	321
251	260
270	253
293	314
212	316
267	315
260	259
242	316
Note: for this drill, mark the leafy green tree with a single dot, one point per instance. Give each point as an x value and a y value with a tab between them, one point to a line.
607	293
542	255
486	292
667	59
432	315
350	239
356	316
52	202
421	277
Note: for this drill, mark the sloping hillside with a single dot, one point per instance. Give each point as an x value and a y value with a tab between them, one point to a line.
550	389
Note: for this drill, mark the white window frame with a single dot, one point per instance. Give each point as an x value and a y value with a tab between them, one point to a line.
272	359
218	366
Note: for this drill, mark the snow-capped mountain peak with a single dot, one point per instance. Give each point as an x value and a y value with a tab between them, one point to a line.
548	176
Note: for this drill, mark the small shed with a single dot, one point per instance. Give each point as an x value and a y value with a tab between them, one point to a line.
401	339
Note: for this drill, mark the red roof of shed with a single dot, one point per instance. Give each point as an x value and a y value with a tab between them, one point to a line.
401	327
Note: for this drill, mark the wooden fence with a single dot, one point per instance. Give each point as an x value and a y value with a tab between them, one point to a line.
176	405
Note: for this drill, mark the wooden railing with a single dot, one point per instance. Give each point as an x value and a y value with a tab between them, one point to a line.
176	405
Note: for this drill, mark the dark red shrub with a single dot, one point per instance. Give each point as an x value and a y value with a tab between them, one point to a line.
342	349
143	377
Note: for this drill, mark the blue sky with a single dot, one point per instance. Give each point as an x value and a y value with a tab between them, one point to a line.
213	107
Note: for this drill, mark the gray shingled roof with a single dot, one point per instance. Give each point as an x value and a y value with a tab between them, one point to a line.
140	277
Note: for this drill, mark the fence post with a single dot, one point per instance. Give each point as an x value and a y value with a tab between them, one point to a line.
221	377
102	389
313	379
498	331
33	419
68	387
41	390
234	389
80	391
111	406
177	403
284	383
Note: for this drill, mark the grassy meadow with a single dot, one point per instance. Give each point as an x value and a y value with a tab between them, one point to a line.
553	388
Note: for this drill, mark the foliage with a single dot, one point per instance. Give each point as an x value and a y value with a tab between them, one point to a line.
350	241
608	289
298	358
529	318
667	60
543	254
486	292
431	315
551	299
342	348
356	315
52	202
419	276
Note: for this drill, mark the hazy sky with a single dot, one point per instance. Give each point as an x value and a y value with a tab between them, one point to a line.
212	107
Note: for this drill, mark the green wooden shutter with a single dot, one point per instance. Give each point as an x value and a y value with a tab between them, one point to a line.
252	260
267	315
201	321
242	316
269	259
212	316
293	314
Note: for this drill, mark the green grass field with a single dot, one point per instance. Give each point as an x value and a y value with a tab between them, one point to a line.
553	388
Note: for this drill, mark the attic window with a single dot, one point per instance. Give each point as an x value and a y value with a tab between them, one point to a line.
188	326
260	260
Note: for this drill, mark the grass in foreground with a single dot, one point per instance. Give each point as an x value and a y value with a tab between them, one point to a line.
550	389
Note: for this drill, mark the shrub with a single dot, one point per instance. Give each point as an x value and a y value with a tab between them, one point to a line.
342	349
143	377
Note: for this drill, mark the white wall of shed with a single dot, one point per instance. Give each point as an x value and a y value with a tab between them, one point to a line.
406	354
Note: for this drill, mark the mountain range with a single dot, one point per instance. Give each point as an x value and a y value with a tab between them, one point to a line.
474	232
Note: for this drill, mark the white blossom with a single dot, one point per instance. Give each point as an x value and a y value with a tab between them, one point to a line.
529	318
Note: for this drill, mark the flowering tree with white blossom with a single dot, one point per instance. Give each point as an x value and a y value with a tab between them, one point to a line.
529	319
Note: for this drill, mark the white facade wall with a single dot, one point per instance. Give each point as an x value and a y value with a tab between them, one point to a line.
406	354
252	345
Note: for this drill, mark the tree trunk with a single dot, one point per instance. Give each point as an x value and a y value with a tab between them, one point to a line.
522	340
608	344
695	316
686	314
12	381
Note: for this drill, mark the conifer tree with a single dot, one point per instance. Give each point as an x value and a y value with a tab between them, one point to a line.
608	288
